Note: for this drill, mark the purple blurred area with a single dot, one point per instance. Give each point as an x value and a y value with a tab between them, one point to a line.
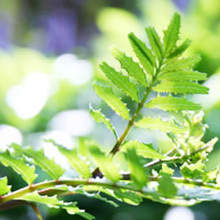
5	31
182	5
60	28
56	26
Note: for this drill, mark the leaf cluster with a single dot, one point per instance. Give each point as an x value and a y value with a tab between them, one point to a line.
158	77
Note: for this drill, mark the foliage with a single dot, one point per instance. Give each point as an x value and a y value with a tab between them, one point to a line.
159	78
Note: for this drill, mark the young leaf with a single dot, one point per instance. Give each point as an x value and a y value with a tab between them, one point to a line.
158	124
74	160
4	188
155	42
143	53
39	159
138	174
112	100
170	103
180	88
100	118
144	150
104	163
133	69
166	187
120	81
128	197
52	201
183	75
180	49
192	170
171	34
181	64
19	166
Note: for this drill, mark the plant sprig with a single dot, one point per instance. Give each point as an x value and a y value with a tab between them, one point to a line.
163	72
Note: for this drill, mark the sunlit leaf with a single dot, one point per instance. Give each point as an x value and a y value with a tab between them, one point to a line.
74	160
180	88
4	188
104	163
171	34
112	100
158	124
170	103
19	166
132	68
138	174
143	53
144	150
166	187
39	159
120	81
155	42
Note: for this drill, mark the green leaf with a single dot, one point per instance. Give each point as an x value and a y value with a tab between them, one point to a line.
166	187
144	150
105	164
74	160
128	197
4	188
170	103
39	159
158	124
133	69
181	64
19	166
180	49
120	81
144	54
138	174
99	117
50	201
171	34
166	169
192	170
183	75
155	42
112	100
97	195
180	88
53	202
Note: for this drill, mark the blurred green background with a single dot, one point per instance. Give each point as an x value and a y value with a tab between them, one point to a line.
49	55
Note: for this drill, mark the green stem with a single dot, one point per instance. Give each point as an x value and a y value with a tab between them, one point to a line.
184	157
37	211
131	122
120	185
74	182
